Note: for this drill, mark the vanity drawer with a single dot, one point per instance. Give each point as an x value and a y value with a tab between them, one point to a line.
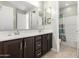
38	38
38	53
38	44
44	36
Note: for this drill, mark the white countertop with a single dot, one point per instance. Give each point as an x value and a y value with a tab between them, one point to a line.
24	34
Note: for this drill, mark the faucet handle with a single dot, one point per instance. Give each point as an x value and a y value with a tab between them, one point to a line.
16	33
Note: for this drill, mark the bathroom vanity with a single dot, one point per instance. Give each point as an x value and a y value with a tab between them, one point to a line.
26	47
35	41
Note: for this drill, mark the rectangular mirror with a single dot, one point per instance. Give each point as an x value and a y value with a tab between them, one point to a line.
22	15
35	17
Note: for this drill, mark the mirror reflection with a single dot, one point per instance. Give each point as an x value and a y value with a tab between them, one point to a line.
6	18
22	15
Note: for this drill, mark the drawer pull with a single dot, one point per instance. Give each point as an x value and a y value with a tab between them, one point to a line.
21	46
25	45
39	45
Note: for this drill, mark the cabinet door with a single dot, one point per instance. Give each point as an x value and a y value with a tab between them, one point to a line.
13	48
49	40
29	47
44	44
1	49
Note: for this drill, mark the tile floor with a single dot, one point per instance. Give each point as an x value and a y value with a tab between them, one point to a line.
65	52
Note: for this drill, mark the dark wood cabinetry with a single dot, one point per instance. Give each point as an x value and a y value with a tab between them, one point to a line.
29	47
13	48
1	49
46	43
49	40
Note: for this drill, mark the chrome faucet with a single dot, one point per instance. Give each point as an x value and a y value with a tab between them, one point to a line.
16	32
41	29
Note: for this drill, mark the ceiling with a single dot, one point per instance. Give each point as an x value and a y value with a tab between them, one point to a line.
26	6
20	5
63	4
